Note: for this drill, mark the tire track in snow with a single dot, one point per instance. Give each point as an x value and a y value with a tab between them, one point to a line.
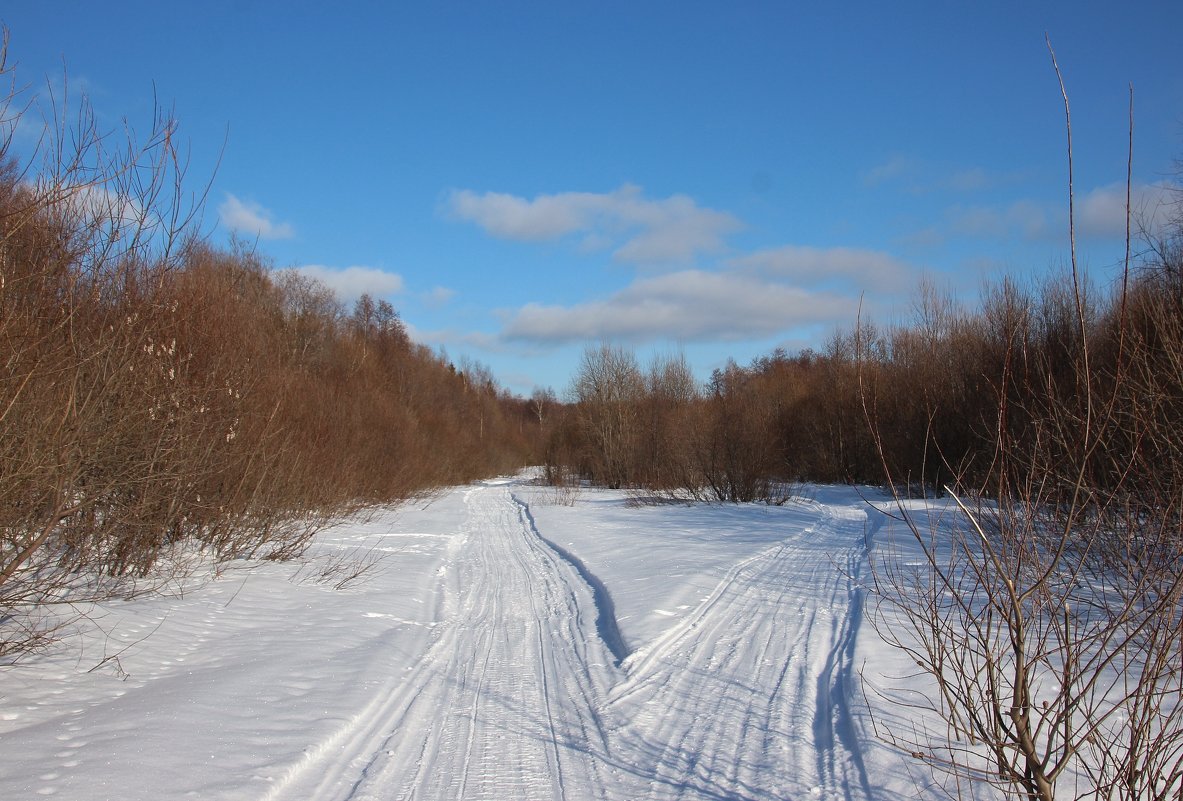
739	700
505	702
839	757
606	625
518	696
344	759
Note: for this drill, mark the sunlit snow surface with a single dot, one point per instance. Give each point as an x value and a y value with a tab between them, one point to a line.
504	646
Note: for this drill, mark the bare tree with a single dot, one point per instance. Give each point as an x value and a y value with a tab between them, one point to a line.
541	401
608	390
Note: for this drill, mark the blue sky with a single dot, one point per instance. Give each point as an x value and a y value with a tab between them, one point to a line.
522	178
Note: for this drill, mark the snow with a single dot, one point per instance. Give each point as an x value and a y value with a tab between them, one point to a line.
502	646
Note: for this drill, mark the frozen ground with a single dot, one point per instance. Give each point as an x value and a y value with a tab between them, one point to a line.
504	647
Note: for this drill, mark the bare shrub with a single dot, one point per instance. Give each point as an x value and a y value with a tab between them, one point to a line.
88	235
1046	612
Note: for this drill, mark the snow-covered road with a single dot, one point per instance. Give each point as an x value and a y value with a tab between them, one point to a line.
519	695
544	652
506	700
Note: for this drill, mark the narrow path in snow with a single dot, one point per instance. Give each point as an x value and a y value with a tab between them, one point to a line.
519	696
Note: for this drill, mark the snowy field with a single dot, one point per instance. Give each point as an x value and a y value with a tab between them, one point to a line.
502	646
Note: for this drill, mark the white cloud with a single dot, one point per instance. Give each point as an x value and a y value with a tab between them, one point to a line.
445	337
919	176
692	305
351	283
810	266
1023	218
101	203
642	230
1102	212
251	218
438	296
511	217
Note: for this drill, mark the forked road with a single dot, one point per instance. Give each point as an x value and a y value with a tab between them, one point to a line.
518	697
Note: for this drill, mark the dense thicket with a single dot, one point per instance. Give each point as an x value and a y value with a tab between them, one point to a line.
922	402
157	392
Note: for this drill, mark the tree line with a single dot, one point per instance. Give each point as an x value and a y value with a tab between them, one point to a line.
161	395
920	403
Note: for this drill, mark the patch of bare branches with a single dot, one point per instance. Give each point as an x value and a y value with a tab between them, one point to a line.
1047	610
